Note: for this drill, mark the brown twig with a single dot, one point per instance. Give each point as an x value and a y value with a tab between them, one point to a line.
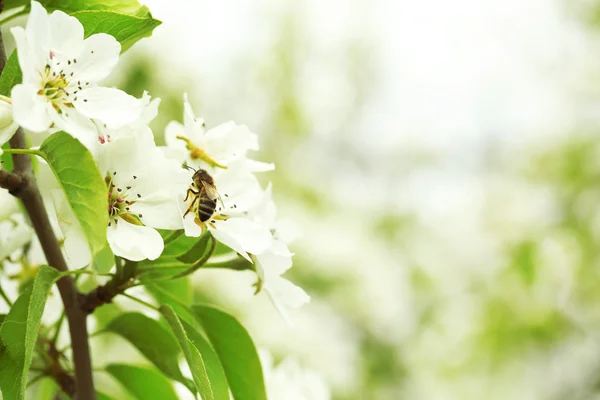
106	293
30	196
13	182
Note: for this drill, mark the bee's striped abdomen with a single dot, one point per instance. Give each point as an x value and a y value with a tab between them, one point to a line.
206	207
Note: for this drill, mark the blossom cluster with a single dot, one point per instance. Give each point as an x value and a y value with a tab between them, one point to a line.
202	181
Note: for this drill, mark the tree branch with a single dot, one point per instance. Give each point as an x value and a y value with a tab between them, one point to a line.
30	196
106	293
13	182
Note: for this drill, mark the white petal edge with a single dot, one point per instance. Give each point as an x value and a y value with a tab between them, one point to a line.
134	242
112	106
98	57
30	110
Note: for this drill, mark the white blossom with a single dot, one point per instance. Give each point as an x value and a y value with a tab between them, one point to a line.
60	74
289	381
142	187
276	259
211	149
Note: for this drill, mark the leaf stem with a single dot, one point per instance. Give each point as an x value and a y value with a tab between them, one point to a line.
37	378
14	15
140	301
58	326
201	261
5	297
172	236
32	152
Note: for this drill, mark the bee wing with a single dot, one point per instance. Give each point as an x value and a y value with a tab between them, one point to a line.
212	193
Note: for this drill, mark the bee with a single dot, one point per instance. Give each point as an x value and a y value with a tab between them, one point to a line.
205	196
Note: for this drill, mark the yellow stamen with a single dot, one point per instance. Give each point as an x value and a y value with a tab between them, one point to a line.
199	153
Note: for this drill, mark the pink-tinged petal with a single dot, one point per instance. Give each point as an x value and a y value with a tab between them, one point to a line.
134	242
66	35
252	237
30	110
112	106
99	56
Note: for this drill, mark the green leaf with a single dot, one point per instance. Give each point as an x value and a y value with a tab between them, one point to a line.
126	29
129	7
104	260
102	396
192	355
19	333
214	369
11	75
156	343
175	291
76	171
143	383
197	251
8	4
236	351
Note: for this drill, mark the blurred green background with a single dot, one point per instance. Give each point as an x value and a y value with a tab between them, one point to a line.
443	162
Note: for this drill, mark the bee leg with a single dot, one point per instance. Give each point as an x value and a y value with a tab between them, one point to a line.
191	207
200	224
187	194
220	217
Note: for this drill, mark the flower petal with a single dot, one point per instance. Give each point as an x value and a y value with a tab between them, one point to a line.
76	247
38	35
66	35
228	241
99	55
27	61
284	294
287	293
172	130
161	214
112	106
273	263
252	237
77	125
194	127
30	110
229	141
134	242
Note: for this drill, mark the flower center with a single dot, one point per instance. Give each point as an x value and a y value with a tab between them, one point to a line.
54	86
119	202
57	83
198	153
